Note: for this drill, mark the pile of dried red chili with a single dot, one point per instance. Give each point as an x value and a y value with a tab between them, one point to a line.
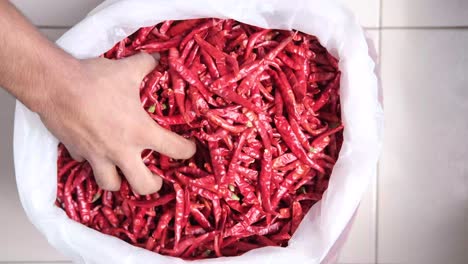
263	107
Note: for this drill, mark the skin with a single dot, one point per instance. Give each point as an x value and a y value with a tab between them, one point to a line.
92	105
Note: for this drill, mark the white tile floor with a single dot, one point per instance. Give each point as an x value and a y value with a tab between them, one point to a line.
423	183
417	211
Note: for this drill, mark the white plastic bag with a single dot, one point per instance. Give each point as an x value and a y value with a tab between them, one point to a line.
337	30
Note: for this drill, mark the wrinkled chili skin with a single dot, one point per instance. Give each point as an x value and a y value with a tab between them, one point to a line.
263	107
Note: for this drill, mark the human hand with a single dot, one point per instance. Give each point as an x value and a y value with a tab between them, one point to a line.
96	112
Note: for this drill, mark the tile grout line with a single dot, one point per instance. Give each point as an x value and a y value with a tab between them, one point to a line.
376	216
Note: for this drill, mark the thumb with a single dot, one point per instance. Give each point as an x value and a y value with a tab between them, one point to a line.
166	142
141	63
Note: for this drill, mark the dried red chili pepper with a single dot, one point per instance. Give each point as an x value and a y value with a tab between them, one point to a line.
322	141
83	206
179	90
291	140
283	160
163	223
142	36
138	221
265	180
247	173
200	218
219	121
200	28
158	46
181	27
198	242
253	40
82	175
187	75
288	183
153	203
110	216
287	94
263	107
69	207
66	168
296	216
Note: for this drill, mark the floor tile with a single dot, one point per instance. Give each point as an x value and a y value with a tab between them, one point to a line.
424	13
423	180
360	246
56	12
367	11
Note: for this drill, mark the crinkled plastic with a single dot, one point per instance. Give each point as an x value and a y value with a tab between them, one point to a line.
337	29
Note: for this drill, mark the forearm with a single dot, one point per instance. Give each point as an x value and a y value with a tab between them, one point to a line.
30	66
74	98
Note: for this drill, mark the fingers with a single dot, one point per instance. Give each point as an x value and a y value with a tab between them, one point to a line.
106	175
142	63
139	176
76	156
167	142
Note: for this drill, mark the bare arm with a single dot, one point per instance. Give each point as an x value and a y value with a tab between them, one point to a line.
92	106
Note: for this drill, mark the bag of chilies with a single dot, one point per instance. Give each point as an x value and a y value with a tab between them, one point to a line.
239	217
